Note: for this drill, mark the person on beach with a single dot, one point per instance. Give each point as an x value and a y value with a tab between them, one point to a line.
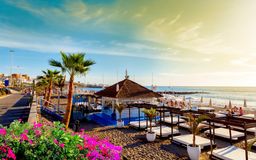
172	103
241	111
176	103
235	109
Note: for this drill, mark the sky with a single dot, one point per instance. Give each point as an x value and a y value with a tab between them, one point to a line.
164	42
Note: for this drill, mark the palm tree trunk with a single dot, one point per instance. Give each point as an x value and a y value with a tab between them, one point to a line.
66	119
150	125
45	92
120	116
194	140
61	88
49	93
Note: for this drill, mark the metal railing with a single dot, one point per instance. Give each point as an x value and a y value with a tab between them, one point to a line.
51	109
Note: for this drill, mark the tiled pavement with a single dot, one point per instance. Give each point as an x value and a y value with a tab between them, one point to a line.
14	106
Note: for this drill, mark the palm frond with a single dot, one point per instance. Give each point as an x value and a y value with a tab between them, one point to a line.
151	113
251	143
119	107
194	122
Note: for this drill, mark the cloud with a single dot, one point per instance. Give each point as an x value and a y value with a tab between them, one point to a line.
48	43
245	62
71	12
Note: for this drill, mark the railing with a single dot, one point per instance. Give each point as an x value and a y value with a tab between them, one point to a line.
51	109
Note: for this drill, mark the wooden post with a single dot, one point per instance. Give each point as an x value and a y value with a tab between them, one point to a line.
230	135
213	129
139	117
172	126
210	136
129	114
178	125
160	123
245	142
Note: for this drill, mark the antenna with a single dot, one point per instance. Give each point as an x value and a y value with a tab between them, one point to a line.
126	74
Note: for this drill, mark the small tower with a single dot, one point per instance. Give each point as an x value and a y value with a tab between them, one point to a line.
126	74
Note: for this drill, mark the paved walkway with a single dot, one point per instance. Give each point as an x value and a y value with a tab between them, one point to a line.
12	107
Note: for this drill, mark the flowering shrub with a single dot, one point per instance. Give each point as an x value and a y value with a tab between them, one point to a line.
24	141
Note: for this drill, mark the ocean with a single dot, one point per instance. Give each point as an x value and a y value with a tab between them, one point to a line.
220	95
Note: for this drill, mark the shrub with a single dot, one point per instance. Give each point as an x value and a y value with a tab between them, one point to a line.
25	141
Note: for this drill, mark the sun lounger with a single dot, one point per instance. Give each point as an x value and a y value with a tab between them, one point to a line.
166	131
232	153
252	130
249	116
224	133
187	140
175	120
143	124
201	125
215	124
219	115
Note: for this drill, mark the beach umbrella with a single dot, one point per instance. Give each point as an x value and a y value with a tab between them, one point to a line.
230	105
245	104
210	103
190	103
202	100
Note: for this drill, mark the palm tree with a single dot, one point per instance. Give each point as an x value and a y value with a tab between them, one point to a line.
120	108
50	77
193	122
74	64
151	113
60	82
42	84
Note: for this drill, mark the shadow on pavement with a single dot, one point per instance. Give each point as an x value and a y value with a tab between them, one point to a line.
20	110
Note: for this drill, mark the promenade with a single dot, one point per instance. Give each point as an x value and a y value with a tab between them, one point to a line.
14	107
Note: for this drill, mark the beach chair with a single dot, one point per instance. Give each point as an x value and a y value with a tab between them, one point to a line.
185	140
224	133
176	120
143	124
166	131
201	126
232	153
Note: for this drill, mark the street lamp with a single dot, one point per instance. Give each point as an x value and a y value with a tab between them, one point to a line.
11	62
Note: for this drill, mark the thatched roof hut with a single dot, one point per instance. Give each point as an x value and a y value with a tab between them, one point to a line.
127	89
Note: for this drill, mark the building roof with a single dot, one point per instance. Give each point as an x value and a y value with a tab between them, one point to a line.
127	89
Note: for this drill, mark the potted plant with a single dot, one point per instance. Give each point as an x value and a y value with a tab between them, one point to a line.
119	108
193	149
150	113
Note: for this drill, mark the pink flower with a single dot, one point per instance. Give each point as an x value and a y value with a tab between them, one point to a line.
37	125
62	145
55	141
2	131
23	137
80	147
30	142
10	154
20	120
38	132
